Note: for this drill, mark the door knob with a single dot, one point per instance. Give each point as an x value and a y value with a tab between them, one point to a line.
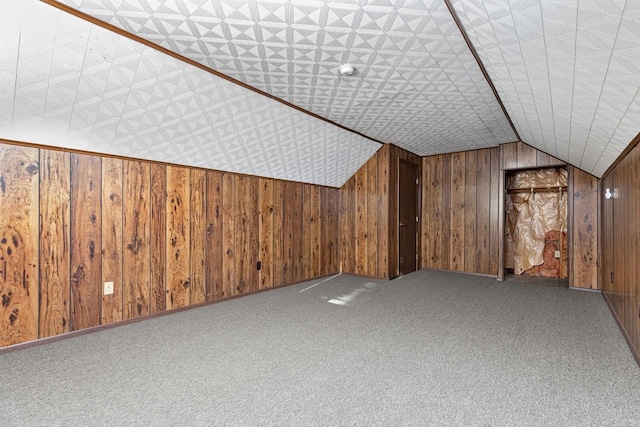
401	224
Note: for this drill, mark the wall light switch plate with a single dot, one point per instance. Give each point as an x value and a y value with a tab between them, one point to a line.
108	288
557	254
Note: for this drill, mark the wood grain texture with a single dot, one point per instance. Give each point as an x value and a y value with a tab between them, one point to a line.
198	226
585	231
495	217
246	235
137	239
373	207
470	213
526	155
55	256
112	238
158	238
382	157
333	228
481	250
456	244
19	251
279	263
361	221
266	279
178	237
228	235
86	240
315	225
214	236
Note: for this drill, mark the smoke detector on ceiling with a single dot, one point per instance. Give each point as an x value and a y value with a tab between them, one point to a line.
347	69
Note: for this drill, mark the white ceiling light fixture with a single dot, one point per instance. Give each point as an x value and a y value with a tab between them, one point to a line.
347	69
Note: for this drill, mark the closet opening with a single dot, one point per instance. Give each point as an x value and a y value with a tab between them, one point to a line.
536	226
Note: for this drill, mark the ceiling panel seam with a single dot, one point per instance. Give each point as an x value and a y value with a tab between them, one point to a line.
124	33
454	15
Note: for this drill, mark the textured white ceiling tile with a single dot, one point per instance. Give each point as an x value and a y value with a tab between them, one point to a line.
565	70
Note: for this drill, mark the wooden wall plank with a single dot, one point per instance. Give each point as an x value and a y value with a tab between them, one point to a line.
279	262
333	204
483	212
178	237
372	216
288	231
297	236
86	242
214	236
246	235
470	204
158	238
361	221
55	291
266	232
584	232
497	194
509	155
307	216
445	257
382	212
137	238
19	252
316	226
198	227
228	233
112	186
527	157
325	249
456	244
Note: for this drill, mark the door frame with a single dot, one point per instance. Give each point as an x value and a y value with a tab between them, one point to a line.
418	168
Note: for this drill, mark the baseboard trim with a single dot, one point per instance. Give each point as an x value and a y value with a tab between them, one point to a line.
468	273
73	334
575	288
622	329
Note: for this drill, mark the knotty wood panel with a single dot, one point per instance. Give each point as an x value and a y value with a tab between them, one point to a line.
456	244
306	230
228	235
382	214
86	240
333	230
297	201
214	237
137	238
495	217
112	238
315	228
246	234
178	237
470	205
482	211
361	221
158	238
198	227
266	234
373	207
55	292
19	252
279	263
584	231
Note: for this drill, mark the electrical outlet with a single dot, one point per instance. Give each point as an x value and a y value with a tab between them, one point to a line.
108	288
259	265
557	254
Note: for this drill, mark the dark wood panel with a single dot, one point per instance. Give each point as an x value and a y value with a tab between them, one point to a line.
228	235
178	237
266	232
19	251
137	239
288	208
495	216
527	157
246	238
361	221
86	240
307	216
158	238
214	236
483	213
333	203
470	206
112	238
509	155
198	226
373	207
279	262
315	228
297	235
55	292
456	244
584	232
407	215
382	157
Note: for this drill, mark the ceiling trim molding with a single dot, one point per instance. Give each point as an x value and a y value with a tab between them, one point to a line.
114	29
456	19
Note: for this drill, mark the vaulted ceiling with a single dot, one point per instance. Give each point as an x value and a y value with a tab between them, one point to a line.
567	73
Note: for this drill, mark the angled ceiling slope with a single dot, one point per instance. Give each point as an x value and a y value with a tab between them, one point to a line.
417	84
567	71
69	83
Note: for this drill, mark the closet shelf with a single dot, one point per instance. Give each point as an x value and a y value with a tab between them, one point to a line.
537	189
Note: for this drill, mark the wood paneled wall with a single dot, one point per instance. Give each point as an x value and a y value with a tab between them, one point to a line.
460	194
166	236
461	211
620	249
368	215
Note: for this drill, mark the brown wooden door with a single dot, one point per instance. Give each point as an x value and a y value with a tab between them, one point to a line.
407	217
